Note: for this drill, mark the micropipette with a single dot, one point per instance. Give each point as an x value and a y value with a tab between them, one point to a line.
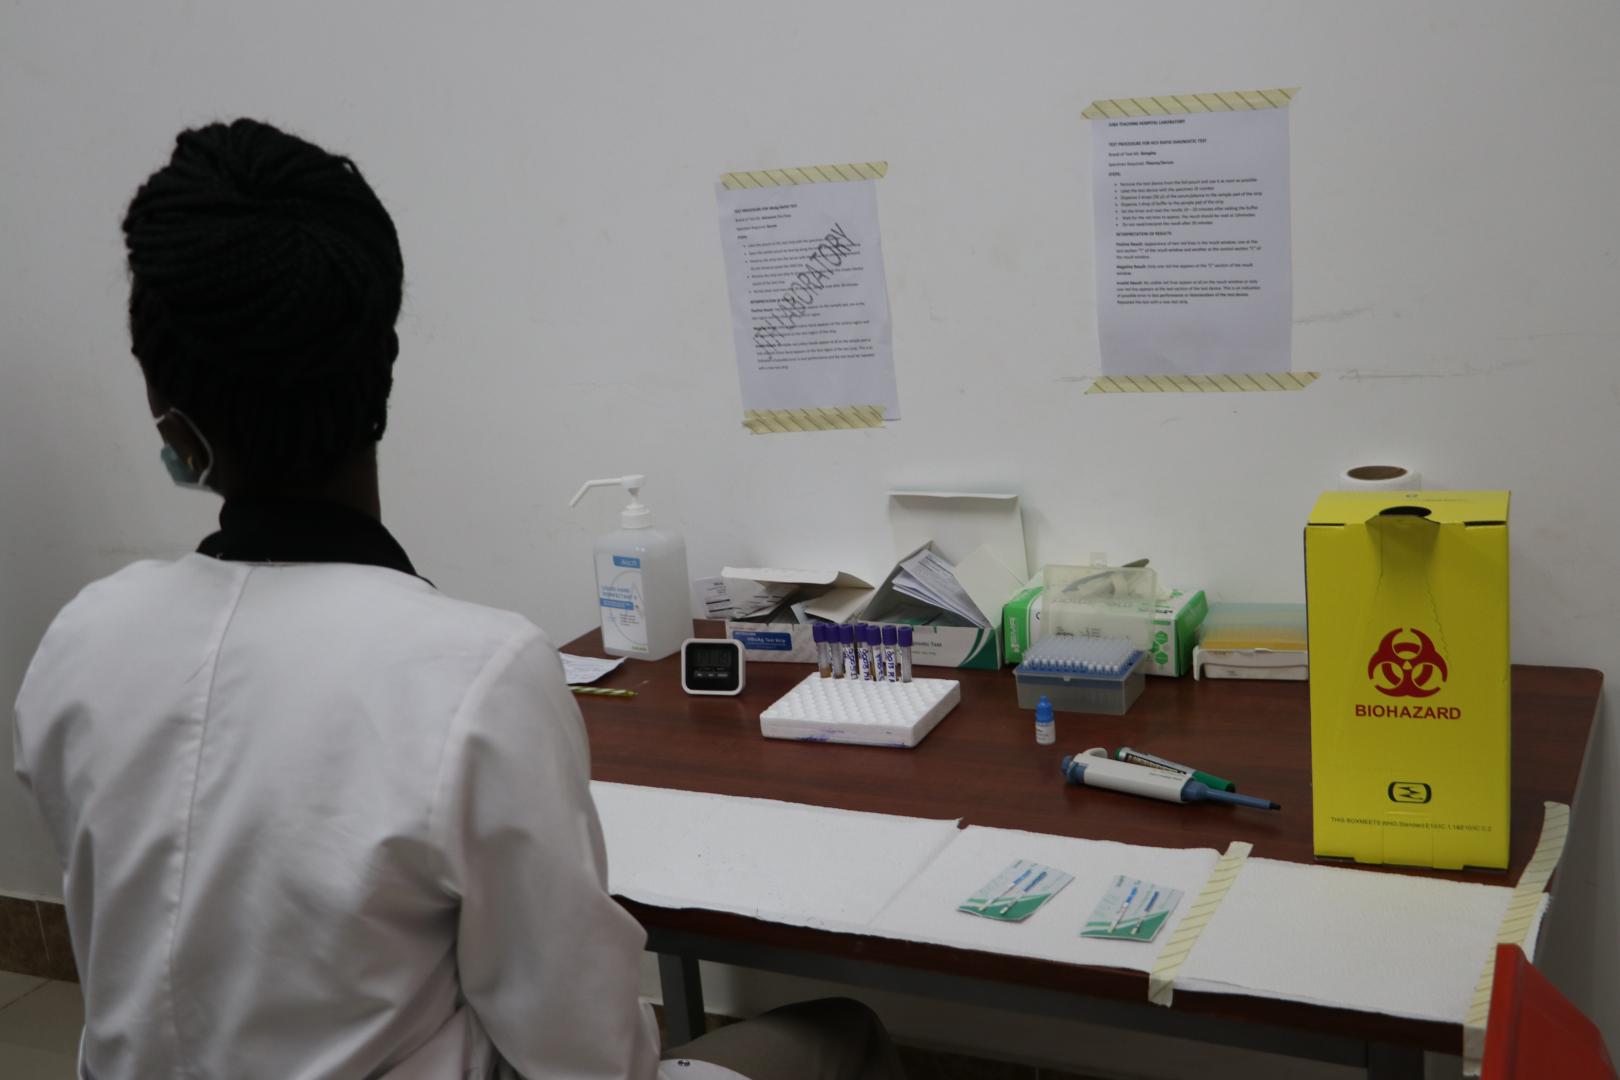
1095	768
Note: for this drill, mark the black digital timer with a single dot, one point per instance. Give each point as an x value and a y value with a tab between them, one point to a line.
712	666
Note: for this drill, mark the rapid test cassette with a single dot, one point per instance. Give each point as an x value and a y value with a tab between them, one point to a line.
864	713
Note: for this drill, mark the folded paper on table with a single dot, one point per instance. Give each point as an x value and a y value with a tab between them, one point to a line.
579	670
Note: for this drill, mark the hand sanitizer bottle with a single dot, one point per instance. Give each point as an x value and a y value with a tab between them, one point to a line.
642	588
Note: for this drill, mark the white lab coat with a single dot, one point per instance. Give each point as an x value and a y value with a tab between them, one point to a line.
319	820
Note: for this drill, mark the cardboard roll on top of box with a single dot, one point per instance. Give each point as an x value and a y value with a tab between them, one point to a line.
1410	676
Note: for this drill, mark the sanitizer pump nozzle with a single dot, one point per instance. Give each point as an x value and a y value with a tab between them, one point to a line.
634	516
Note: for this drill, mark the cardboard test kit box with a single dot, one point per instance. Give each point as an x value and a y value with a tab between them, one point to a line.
981	537
1409	661
969	549
773	609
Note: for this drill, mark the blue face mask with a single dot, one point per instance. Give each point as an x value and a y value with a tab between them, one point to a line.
183	471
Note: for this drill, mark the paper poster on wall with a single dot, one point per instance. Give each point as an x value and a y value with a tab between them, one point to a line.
809	300
1191	207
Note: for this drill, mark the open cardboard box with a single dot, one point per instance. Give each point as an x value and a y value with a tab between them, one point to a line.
834	595
982	535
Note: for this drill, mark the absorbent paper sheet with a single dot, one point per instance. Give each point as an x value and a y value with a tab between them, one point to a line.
1359	939
925	910
782	862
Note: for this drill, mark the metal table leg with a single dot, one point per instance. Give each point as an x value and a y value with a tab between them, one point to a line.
1385	1062
683	998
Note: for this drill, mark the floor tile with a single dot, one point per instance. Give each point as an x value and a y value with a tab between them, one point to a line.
22	1063
49	1019
14	986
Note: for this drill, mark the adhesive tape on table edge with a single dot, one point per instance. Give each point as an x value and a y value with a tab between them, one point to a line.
1515	926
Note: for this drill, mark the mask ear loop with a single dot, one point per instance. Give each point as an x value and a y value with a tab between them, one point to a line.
201	482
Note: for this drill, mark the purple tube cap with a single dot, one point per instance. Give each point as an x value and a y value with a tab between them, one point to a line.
846	634
818	632
889	635
905	635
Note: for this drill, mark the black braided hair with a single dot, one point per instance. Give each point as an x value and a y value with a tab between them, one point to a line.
266	279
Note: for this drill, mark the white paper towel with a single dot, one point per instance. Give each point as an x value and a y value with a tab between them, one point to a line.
925	910
1360	939
781	862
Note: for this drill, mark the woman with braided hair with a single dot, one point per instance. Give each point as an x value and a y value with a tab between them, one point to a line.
319	820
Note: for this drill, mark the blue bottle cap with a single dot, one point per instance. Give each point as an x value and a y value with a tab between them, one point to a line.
905	636
889	636
1043	713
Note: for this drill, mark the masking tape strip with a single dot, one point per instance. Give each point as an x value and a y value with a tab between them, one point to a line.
1172	104
1516	922
1201	384
843	418
1176	950
805	174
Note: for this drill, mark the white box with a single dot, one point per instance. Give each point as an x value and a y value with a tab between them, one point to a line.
835	595
982	535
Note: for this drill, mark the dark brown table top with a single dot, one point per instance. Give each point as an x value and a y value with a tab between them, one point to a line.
981	764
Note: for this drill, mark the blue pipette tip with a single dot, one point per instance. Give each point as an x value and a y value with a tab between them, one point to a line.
1196	792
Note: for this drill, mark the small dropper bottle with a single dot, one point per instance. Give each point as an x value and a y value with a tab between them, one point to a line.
1045	729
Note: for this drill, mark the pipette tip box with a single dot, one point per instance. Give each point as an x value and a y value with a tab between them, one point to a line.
1075	675
860	712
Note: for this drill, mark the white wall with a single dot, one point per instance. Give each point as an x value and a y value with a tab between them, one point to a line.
550	169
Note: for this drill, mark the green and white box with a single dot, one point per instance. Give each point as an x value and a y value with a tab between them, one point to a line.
1176	619
1021	622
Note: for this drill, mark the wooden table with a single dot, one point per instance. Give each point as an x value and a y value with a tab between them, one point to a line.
981	764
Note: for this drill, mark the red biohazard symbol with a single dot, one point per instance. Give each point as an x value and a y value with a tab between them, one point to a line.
1404	668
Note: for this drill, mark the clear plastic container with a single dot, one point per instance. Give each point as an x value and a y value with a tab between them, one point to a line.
1100	601
1275	627
1103	695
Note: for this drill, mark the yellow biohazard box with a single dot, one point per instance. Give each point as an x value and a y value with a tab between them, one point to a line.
1409	665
